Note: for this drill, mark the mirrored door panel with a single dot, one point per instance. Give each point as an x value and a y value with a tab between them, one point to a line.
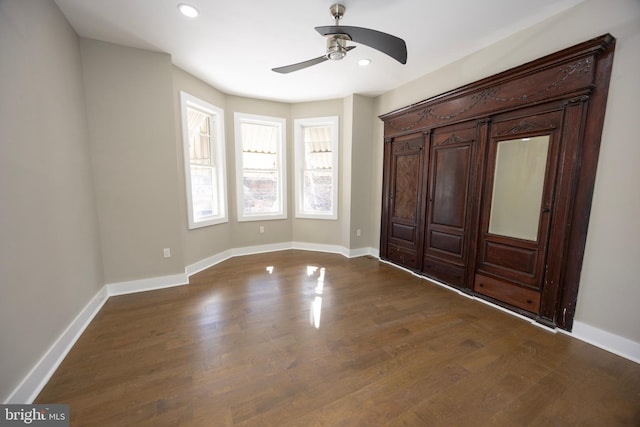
517	207
518	184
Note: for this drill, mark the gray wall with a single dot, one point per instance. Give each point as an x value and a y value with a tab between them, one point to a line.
362	152
50	264
135	163
609	286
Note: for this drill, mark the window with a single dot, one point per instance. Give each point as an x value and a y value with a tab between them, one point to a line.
316	166
260	167
204	161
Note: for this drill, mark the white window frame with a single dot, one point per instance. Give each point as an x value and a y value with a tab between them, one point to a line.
299	150
279	123
217	150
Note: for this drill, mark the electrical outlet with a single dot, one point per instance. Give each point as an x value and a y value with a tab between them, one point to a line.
261	229
358	233
167	252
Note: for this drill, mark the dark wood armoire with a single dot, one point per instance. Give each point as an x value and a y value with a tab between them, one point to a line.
487	188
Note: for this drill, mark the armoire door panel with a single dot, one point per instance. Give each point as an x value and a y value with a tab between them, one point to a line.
518	196
403	232
403	256
404	182
520	260
405	189
507	292
450	181
446	242
444	271
446	234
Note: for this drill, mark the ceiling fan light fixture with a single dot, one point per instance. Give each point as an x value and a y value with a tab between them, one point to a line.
336	48
188	10
336	55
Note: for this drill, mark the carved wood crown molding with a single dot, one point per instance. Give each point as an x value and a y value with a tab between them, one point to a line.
521	127
567	74
577	99
580	67
453	139
408	146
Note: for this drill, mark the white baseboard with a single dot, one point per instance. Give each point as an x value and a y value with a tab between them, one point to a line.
334	249
316	247
612	343
260	249
123	288
355	253
208	262
39	375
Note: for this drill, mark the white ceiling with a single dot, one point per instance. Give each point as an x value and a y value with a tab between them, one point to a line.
234	44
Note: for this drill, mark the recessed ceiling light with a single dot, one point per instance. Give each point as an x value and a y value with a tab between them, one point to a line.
188	10
364	62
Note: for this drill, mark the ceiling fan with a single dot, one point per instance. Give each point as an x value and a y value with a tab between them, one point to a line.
337	37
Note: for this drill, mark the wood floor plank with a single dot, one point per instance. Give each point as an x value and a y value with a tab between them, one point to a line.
298	338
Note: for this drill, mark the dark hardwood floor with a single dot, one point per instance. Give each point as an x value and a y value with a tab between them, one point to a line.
241	346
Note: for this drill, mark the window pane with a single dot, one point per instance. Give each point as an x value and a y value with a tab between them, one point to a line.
318	134
204	126
200	141
199	149
318	194
265	161
259	138
317	147
204	161
260	156
318	160
203	183
260	192
316	166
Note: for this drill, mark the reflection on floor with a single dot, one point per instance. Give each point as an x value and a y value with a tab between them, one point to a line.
244	345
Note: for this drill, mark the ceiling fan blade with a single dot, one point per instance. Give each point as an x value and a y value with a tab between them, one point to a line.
300	65
393	46
304	64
